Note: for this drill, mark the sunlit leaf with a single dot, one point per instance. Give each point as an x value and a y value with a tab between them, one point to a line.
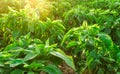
63	56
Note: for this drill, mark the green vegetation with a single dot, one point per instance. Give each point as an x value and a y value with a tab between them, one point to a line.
37	36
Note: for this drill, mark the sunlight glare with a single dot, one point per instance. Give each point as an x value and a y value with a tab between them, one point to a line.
41	7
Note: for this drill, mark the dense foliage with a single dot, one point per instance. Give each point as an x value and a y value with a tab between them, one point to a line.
36	36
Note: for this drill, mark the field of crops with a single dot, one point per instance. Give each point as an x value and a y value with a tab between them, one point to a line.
59	36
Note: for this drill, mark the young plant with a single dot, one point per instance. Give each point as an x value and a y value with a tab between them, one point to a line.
28	55
94	52
18	23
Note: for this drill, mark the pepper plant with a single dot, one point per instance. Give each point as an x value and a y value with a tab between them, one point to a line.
27	55
94	52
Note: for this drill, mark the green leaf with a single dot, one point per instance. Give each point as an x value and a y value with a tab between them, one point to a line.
1	64
53	45
21	42
71	44
47	43
12	10
52	69
109	60
100	71
91	63
118	56
37	50
106	39
31	27
118	72
15	34
5	55
36	64
58	23
15	62
1	71
30	56
27	36
10	47
30	72
17	71
42	26
68	34
37	41
63	56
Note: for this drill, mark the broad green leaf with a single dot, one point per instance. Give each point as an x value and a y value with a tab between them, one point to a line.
30	56
17	71
17	49
52	69
15	62
106	39
67	59
10	47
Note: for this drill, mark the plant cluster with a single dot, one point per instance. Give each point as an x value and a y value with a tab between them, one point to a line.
36	36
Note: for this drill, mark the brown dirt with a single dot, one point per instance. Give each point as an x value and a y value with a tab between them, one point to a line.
66	69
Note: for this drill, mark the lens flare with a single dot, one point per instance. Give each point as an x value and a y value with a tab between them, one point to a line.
41	7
